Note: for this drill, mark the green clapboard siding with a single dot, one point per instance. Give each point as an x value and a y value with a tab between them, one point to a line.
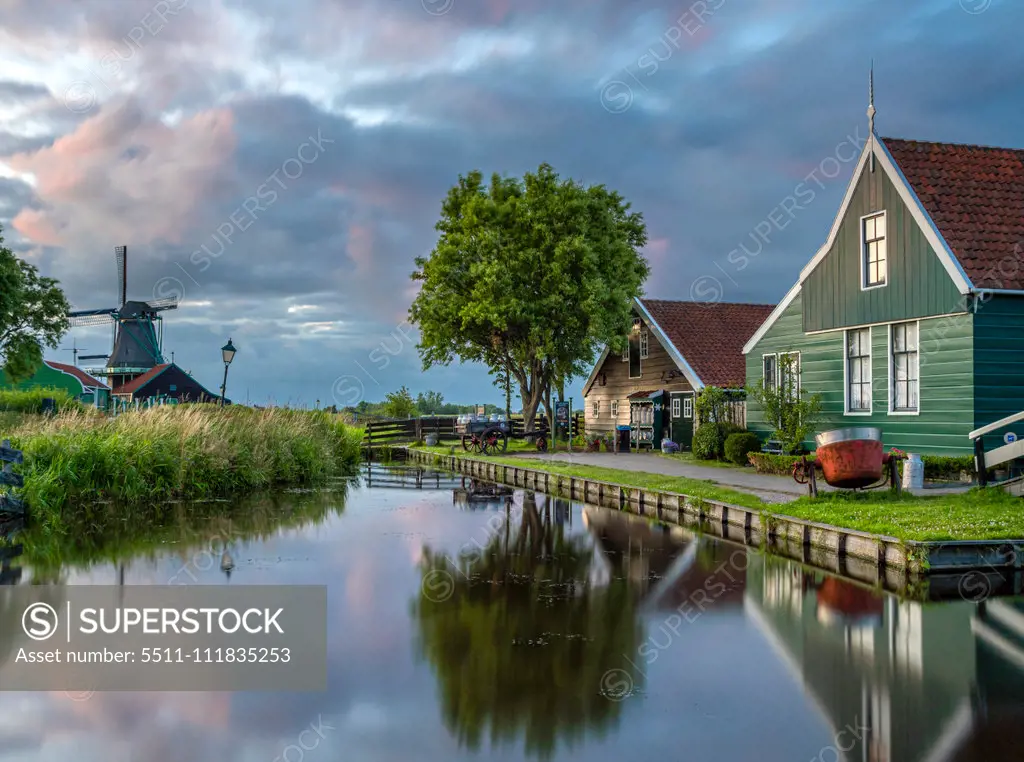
999	364
946	373
918	284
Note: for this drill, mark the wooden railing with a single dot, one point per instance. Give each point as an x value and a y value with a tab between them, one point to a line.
1009	451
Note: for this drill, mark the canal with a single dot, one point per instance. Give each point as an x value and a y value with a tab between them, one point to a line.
464	623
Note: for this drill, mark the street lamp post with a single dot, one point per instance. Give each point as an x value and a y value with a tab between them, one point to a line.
228	353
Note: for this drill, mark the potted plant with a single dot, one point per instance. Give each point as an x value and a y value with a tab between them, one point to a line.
594	443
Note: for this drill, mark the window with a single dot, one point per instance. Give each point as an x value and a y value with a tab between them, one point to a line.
874	262
625	353
858	371
644	347
688	407
677	407
595	409
903	368
769	371
615	408
635	366
789	375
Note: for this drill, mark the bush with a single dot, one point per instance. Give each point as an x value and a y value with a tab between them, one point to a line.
708	441
739	444
765	463
31	400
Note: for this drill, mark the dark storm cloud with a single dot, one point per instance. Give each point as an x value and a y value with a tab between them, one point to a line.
15	92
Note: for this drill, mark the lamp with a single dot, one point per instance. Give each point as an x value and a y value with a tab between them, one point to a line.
636	325
228	353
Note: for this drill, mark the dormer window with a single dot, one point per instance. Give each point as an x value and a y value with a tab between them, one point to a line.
874	260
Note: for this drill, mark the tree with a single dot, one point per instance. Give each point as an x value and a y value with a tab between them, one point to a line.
33	314
531	276
399	404
793	410
431	403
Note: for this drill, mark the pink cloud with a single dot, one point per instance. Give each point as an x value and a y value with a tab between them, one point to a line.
124	175
360	247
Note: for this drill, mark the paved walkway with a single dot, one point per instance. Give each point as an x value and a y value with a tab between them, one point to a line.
772	489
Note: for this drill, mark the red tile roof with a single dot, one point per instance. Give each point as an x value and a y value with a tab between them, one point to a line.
78	373
975	196
710	335
139	381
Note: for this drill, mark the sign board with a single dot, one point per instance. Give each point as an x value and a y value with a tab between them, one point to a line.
1009	437
480	410
562	412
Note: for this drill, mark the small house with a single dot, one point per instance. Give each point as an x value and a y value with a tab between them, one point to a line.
57	375
164	383
675	349
910	317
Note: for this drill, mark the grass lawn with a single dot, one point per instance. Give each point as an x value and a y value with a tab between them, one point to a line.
974	515
689	459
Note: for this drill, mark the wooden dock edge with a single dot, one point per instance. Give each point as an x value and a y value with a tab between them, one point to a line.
870	558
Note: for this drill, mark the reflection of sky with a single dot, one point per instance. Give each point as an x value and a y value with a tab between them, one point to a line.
718	692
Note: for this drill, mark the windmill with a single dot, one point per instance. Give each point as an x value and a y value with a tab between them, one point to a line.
138	330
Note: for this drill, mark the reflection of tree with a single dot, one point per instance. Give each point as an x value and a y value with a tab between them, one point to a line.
521	644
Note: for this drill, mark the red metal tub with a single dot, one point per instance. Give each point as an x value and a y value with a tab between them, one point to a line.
851	458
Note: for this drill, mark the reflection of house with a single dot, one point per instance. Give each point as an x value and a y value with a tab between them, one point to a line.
672	568
907	682
57	375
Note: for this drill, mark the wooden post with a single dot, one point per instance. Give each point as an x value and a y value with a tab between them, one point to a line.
369	440
979	461
418	430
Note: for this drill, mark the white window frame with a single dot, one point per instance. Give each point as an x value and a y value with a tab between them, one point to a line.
846	373
645	347
615	409
677	407
799	371
775	374
864	286
595	409
688	407
625	352
892	370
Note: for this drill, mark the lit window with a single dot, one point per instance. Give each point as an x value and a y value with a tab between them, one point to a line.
643	345
875	269
858	371
904	368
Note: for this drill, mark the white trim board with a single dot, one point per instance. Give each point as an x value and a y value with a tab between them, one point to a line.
931	233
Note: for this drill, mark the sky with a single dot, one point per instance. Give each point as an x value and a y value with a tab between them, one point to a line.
279	165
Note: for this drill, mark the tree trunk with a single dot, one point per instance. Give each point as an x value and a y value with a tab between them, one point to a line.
508	393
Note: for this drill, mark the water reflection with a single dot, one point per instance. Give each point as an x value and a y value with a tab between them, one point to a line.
521	637
566	632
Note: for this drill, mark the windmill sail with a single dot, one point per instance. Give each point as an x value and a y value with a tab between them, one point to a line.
121	254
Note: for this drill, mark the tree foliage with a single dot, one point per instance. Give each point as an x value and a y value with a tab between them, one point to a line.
399	404
431	403
33	314
792	410
530	276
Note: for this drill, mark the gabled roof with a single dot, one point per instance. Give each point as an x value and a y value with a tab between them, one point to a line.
968	201
710	335
704	339
139	381
975	196
83	377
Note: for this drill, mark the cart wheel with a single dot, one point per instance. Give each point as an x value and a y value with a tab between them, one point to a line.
495	441
467	442
542	444
478	444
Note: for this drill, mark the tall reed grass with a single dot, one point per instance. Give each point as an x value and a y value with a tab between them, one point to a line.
78	460
31	400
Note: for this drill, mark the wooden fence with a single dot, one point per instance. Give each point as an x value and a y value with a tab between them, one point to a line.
405	430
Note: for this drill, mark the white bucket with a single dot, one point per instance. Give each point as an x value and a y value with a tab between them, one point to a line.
913	472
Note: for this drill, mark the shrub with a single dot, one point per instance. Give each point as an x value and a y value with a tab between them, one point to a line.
31	400
765	463
792	410
739	444
708	441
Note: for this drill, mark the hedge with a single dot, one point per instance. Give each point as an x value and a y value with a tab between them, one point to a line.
936	467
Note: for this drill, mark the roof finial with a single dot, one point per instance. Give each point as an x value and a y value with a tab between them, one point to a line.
871	98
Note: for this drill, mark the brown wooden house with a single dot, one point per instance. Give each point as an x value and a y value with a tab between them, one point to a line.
675	349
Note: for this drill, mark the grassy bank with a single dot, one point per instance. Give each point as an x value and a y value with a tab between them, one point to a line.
79	460
973	515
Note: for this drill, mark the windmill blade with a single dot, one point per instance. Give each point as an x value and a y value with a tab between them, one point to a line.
168	303
121	254
91	318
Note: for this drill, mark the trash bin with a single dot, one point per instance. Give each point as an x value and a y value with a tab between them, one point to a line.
622	434
49	406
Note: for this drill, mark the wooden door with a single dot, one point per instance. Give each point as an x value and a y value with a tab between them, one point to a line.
681	419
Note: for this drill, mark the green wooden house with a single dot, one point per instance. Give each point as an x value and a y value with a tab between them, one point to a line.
58	375
911	316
